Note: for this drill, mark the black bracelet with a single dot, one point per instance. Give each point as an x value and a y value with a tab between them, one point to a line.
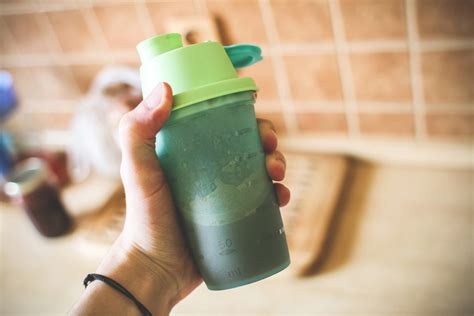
93	276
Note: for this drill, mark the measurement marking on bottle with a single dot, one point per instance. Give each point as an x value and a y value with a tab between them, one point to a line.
226	252
244	131
232	274
225	247
227	243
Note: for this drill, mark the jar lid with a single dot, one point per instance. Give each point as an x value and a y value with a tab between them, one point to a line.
26	177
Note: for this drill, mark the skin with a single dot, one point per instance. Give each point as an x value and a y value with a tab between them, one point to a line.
150	257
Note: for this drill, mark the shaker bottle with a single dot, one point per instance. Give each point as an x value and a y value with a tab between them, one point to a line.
213	160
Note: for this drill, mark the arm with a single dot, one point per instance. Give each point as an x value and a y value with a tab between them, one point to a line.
133	271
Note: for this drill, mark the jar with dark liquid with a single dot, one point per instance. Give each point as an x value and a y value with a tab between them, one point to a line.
31	186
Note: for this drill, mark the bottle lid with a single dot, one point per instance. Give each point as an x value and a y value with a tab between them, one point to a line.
197	72
158	44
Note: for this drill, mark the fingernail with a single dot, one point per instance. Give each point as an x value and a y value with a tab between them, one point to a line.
154	98
275	135
282	163
282	160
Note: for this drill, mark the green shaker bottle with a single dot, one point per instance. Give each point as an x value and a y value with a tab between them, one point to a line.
212	157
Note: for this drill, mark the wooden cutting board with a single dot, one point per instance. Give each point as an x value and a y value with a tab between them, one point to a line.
316	182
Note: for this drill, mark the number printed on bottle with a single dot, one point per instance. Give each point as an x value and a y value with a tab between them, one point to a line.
225	247
223	244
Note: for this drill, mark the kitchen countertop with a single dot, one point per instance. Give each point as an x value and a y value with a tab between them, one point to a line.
402	244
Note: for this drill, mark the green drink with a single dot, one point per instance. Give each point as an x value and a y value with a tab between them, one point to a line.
212	157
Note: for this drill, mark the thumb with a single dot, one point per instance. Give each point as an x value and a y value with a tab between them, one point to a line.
139	126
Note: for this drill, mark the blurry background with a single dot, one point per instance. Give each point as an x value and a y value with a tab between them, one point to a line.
374	104
350	68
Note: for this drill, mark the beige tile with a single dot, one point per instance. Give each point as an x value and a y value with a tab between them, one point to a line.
28	33
264	76
322	122
22	80
439	19
73	32
448	77
240	21
277	120
130	59
31	121
313	77
267	105
85	74
53	82
302	21
7	44
396	124
160	12
133	63
373	19
24	4
121	25
48	121
381	77
450	125
18	1
56	82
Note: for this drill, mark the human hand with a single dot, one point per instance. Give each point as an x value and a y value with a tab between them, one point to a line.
152	238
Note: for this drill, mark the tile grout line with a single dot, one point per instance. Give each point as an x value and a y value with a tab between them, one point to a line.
282	81
376	46
53	59
34	7
345	72
145	18
11	37
292	49
415	71
23	8
59	6
93	22
437	45
323	106
304	49
50	106
9	34
54	41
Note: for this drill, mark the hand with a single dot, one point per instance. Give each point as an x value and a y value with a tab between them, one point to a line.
152	238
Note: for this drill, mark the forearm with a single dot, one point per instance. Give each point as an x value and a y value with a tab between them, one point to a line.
153	290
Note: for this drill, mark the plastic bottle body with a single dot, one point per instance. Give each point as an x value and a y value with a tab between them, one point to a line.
215	165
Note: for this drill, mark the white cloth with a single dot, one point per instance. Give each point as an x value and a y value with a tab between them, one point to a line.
95	144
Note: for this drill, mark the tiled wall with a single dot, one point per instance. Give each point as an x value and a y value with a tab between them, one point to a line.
354	68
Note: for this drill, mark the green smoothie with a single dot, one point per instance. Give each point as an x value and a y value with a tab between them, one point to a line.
214	162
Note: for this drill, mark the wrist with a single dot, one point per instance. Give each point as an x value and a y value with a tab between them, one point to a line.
133	270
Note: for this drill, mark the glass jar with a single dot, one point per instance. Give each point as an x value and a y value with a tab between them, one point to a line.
29	184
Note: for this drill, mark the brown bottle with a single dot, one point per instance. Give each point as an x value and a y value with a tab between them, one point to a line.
30	185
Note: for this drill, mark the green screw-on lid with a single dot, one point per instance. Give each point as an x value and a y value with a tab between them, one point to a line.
197	72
